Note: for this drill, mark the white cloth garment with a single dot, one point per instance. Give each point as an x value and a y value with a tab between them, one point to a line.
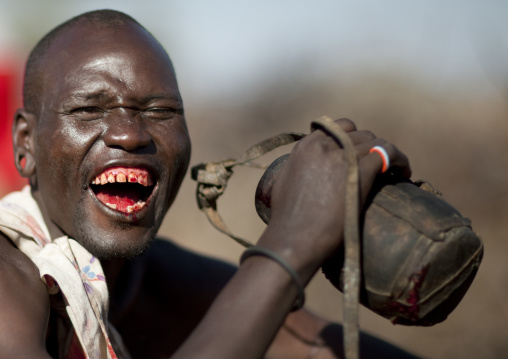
67	269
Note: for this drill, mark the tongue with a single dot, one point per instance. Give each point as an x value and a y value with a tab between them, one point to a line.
122	198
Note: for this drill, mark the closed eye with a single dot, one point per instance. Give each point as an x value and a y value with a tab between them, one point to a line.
160	113
88	113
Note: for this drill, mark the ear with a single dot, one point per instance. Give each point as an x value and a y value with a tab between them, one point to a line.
23	130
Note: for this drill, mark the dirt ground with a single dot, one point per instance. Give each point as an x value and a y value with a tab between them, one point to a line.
458	143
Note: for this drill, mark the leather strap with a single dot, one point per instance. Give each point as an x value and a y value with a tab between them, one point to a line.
212	179
351	236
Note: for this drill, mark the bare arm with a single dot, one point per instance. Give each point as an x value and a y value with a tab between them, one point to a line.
305	228
24	309
306	335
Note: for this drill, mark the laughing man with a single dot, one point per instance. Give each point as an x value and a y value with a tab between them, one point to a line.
103	141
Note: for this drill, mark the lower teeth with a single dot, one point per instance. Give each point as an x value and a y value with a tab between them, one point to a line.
136	207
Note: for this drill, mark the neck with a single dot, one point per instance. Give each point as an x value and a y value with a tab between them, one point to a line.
124	279
54	230
112	269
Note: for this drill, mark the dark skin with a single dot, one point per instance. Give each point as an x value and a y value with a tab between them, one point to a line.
111	99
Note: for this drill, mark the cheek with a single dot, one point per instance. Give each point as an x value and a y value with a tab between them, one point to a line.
181	151
52	160
177	150
61	149
175	143
184	148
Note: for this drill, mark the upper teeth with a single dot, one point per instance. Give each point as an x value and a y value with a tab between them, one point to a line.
113	176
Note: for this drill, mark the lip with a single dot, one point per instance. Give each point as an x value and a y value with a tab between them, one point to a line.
133	164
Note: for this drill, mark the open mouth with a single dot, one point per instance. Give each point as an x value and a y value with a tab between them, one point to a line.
123	189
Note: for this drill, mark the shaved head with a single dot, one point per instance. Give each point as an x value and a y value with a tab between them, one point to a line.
33	82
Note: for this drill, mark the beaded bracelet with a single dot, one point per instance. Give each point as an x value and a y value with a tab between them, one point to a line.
260	251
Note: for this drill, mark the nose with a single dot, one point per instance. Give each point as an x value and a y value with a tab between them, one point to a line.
127	131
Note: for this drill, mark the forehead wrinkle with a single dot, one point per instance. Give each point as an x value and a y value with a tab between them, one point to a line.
83	95
104	96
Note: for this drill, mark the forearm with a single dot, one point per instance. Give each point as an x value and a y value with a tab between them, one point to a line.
306	227
300	337
244	319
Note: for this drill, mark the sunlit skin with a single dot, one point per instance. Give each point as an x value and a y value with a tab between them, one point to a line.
109	100
103	107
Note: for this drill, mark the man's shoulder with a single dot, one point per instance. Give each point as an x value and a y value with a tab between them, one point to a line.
13	260
25	301
17	272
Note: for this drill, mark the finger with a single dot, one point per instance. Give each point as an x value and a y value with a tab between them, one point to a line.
371	164
363	148
346	124
326	139
359	137
396	160
385	156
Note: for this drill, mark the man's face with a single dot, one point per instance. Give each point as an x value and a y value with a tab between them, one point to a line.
111	144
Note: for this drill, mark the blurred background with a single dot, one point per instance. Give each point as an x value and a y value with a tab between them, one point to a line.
430	76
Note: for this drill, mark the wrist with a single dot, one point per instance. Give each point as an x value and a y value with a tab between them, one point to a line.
265	252
303	249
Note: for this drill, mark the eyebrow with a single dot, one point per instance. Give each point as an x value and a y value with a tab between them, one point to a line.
102	95
89	95
160	96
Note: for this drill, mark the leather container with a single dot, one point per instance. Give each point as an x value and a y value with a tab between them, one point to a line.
419	254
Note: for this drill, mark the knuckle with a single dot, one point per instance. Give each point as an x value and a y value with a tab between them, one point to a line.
389	148
317	145
368	135
346	124
381	142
